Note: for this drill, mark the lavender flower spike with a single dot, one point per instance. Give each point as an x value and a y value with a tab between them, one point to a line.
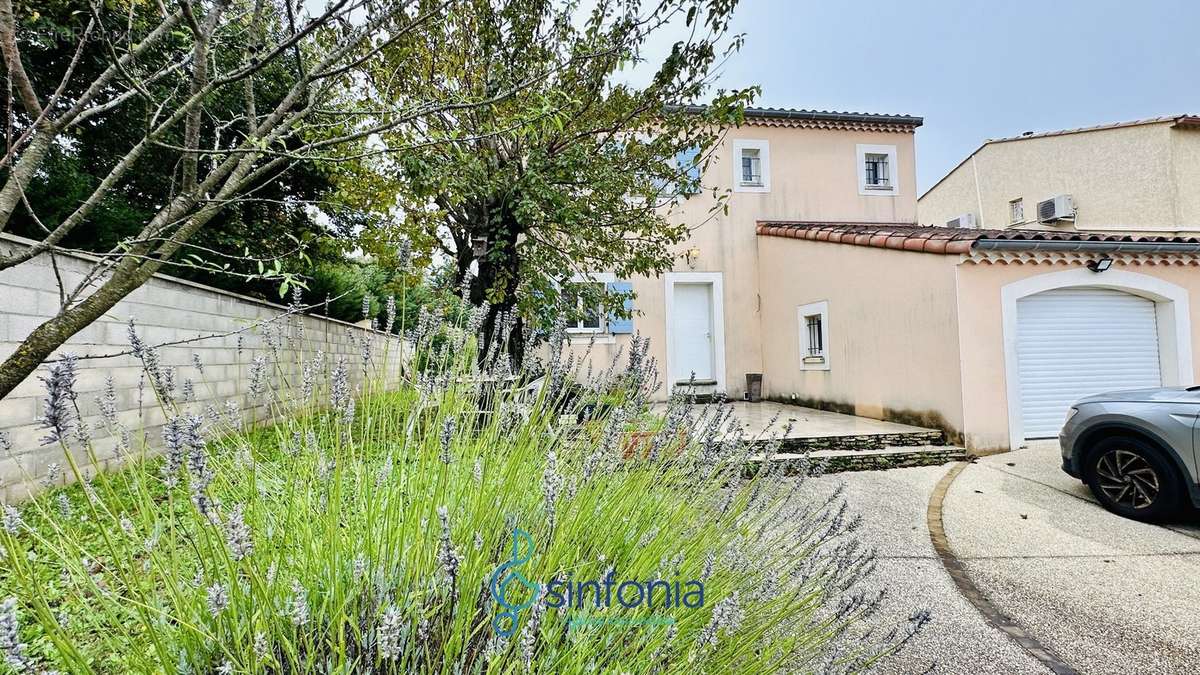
237	534
390	313
299	604
59	401
258	376
10	638
447	556
217	597
174	439
726	618
446	438
107	402
390	634
339	388
12	519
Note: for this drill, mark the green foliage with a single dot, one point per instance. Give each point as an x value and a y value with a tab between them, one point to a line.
345	283
582	171
271	224
361	539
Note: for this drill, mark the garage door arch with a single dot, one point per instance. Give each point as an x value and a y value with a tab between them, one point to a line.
1171	315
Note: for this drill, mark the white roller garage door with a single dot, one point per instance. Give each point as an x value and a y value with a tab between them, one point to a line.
1078	341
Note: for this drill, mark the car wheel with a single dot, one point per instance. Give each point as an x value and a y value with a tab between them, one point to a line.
1131	478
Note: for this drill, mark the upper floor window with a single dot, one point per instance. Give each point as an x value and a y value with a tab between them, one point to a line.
1016	211
877	170
751	166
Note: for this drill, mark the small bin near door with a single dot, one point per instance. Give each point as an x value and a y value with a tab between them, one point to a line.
754	386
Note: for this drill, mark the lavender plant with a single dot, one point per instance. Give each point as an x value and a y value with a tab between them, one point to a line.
358	532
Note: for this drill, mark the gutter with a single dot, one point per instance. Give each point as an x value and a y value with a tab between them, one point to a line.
985	244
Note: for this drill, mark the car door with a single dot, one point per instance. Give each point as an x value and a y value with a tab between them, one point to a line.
1195	467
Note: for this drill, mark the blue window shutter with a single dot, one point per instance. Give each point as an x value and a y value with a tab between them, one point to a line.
618	326
688	162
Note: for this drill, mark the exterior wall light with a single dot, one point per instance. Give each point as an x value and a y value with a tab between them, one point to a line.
690	256
1100	265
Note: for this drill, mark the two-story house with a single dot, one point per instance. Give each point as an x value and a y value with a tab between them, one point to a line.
1137	177
704	316
819	281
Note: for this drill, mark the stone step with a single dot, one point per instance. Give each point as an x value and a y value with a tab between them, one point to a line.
869	459
859	442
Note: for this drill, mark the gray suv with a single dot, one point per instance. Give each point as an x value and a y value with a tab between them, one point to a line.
1136	449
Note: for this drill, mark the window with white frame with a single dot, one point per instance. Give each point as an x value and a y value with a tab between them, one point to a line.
816	343
751	166
814	335
877	170
584	296
1016	211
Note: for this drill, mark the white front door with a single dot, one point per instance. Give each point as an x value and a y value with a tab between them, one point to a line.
692	332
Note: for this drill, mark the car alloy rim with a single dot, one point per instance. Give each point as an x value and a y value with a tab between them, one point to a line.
1127	479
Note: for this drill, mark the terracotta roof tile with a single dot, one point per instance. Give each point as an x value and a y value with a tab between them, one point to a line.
819	118
948	240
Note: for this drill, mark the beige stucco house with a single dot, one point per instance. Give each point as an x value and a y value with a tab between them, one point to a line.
703	316
987	334
819	279
1138	176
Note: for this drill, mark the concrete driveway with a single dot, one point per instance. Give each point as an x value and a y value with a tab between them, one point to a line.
1103	594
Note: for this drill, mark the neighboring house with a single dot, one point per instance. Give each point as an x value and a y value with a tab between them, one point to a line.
1137	177
703	317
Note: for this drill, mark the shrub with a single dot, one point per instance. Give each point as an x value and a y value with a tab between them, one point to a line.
360	534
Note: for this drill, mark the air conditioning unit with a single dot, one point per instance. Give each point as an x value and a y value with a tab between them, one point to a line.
966	220
1056	208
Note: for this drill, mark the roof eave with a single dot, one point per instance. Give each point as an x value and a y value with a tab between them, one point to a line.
820	116
985	244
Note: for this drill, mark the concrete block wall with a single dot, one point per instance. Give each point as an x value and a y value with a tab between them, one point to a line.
225	330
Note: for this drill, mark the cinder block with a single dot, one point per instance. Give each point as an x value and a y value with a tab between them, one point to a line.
10	472
15	412
116	334
19	491
20	326
48	303
20	300
158	335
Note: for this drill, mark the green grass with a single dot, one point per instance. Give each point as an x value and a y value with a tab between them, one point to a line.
349	573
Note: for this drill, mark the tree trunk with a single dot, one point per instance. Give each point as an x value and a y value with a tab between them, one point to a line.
23	172
499	273
52	334
126	276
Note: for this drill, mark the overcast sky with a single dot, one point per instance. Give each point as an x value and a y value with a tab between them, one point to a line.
973	69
